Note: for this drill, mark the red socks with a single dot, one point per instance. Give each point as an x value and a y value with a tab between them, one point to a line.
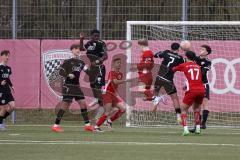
116	115
148	94
197	118
101	120
184	119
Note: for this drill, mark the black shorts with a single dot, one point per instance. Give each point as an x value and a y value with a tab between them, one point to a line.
97	76
5	98
168	85
207	91
70	92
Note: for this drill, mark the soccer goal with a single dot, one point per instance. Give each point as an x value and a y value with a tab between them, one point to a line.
224	79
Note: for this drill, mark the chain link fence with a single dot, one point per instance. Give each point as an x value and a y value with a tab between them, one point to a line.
64	19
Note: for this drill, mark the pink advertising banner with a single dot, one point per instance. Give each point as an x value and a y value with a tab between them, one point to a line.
25	64
31	62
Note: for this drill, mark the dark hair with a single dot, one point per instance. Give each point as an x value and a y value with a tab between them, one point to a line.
74	46
5	52
190	55
175	46
95	31
116	59
208	48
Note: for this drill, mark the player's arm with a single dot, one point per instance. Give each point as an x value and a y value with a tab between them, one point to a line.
206	68
82	48
178	68
62	71
116	81
104	52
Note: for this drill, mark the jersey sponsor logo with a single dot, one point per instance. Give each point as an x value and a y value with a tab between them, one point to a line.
51	61
229	82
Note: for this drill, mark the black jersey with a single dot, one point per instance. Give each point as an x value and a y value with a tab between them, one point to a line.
205	64
5	72
95	49
76	72
170	60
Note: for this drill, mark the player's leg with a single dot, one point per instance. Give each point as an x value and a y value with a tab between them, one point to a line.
102	119
205	111
107	101
62	107
176	105
188	100
158	89
196	110
2	113
121	109
84	113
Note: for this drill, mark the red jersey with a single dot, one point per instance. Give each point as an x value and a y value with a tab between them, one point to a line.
146	62
110	86
193	74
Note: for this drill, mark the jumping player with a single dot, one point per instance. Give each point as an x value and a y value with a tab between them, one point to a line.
110	96
71	90
203	61
7	103
165	76
195	90
144	70
97	54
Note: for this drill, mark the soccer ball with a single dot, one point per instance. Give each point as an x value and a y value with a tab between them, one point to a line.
185	45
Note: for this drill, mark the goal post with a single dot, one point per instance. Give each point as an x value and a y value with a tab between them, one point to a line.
224	80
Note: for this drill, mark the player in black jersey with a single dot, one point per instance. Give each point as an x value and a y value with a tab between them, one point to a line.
97	54
164	79
71	89
203	61
7	103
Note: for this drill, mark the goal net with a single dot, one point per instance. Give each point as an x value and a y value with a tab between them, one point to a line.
224	79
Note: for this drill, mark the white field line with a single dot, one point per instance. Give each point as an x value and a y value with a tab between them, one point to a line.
26	142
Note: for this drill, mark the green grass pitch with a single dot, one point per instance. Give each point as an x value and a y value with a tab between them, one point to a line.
21	142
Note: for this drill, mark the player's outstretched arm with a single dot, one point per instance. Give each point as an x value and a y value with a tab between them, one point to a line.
82	48
115	81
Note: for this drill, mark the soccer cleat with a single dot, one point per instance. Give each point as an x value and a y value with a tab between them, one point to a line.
97	129
108	124
57	129
156	101
192	130
186	133
203	126
197	131
89	128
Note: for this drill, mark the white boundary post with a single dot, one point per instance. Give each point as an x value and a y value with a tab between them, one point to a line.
128	76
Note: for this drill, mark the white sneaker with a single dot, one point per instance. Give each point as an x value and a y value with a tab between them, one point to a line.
156	101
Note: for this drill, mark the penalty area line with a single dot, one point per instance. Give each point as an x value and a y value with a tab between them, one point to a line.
27	142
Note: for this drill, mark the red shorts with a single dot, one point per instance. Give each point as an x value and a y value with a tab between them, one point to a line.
147	79
111	98
193	97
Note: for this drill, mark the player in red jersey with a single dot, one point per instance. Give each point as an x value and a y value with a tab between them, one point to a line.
110	96
145	70
195	90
